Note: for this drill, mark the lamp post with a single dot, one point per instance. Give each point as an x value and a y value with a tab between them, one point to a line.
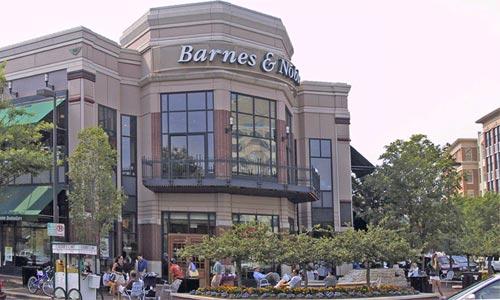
49	92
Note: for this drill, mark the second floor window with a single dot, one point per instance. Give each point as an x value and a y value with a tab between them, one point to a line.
187	129
253	140
107	120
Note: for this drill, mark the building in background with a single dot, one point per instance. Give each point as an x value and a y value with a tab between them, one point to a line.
465	153
489	141
211	120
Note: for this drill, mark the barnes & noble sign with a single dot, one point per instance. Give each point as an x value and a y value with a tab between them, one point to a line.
268	63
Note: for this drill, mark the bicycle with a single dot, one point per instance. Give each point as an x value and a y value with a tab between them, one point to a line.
36	283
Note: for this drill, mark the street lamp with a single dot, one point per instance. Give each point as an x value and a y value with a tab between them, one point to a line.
49	92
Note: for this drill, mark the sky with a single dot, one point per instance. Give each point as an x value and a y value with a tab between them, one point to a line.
421	66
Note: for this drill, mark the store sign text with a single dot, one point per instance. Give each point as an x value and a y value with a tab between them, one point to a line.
268	63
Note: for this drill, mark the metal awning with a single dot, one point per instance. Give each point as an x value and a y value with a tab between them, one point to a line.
35	112
24	200
359	164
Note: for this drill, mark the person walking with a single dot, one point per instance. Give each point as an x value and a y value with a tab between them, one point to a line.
434	272
192	270
217	271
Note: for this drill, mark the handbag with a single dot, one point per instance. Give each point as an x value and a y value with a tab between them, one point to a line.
194	273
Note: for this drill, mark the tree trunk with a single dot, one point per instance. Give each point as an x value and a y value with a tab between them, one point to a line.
490	269
306	280
468	262
367	265
238	271
423	262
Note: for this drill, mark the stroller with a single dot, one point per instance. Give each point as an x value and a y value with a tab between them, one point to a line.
149	280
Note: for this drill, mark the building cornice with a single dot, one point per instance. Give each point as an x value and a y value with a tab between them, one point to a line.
207	12
489	116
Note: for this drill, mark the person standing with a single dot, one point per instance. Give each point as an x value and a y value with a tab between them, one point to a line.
192	270
434	272
117	269
142	265
175	270
217	271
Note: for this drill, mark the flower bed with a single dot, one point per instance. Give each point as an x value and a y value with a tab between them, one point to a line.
304	293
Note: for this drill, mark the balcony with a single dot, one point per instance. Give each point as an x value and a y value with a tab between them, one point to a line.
230	176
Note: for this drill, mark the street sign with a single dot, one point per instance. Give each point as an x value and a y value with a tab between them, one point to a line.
55	229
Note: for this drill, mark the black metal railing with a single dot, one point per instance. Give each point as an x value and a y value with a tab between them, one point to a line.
171	169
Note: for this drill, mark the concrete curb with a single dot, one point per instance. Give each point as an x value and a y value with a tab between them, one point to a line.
23	295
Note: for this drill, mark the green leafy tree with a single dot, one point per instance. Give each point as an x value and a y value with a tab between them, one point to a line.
375	244
243	242
21	149
298	250
411	191
479	222
94	201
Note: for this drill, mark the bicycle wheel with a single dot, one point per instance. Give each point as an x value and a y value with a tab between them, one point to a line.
32	285
48	287
59	293
74	294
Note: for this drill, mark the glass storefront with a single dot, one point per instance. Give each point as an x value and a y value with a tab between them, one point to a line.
23	243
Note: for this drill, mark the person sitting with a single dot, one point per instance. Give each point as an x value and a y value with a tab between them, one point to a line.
413	271
133	280
330	280
271	277
108	279
296	280
227	278
283	282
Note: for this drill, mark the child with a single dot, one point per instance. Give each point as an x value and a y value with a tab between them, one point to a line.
108	279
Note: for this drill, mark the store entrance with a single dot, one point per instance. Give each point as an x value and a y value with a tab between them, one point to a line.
178	241
23	244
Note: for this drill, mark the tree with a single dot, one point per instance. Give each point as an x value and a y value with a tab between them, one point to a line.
243	242
94	201
298	249
21	149
410	191
375	244
479	220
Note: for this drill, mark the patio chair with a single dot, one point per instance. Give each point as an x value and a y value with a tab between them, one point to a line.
137	291
448	278
263	283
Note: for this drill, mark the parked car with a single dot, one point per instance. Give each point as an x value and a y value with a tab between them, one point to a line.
486	289
31	258
461	261
444	262
495	264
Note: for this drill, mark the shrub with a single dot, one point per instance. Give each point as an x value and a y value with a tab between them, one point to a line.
302	292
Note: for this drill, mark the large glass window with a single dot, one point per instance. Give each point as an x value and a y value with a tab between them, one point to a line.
129	145
107	120
345	214
320	155
129	181
271	220
189	222
254	143
187	133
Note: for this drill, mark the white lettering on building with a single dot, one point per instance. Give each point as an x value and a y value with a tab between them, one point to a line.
268	64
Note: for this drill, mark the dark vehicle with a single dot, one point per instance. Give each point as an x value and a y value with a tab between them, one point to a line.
444	262
461	261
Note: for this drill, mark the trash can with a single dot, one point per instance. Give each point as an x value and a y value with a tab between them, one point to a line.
421	284
469	278
27	272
